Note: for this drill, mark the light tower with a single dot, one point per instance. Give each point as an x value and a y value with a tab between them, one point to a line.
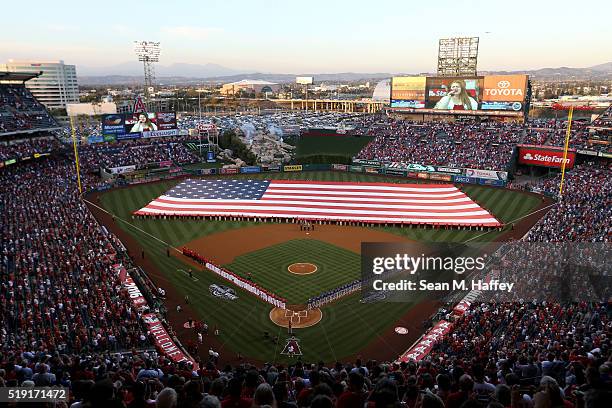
147	52
458	56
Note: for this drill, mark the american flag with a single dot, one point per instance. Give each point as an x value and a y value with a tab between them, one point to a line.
315	200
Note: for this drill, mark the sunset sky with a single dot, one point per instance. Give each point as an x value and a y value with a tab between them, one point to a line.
310	36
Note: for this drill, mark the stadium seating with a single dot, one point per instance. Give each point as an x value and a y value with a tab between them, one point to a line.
20	148
20	111
138	153
486	146
584	212
65	320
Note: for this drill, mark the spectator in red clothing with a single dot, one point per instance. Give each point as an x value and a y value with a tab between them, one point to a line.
235	398
466	386
354	396
304	398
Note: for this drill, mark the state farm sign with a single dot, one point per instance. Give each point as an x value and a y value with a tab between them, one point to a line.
546	157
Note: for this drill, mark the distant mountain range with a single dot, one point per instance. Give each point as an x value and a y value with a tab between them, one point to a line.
130	73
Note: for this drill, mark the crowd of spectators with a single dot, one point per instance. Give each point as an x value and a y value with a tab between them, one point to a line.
486	146
583	212
554	134
138	152
58	290
527	344
19	110
20	148
497	355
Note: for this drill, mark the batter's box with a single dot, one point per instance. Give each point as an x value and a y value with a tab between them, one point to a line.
296	317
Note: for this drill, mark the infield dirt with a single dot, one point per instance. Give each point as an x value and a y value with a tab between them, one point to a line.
223	247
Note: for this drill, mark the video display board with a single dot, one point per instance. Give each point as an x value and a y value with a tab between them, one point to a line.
143	124
408	92
478	94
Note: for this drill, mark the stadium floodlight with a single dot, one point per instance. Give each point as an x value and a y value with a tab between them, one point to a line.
458	56
148	53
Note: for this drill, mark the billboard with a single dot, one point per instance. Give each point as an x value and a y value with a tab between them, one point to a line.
465	95
545	156
504	92
408	92
132	125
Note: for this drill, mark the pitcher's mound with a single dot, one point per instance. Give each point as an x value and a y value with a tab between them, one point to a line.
302	268
299	319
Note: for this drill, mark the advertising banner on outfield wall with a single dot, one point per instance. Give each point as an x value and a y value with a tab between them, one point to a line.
448	170
340	167
441	177
494	183
229	170
465	179
395	172
250	169
356	169
487	174
374	163
275	167
208	171
375	170
294	167
411	167
122	169
545	156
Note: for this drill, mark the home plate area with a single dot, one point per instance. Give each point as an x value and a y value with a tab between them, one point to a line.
299	319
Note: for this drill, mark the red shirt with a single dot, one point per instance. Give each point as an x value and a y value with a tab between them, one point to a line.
349	399
233	402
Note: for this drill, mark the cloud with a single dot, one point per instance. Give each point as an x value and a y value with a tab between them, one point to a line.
190	32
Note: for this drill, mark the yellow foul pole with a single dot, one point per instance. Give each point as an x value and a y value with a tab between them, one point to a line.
567	138
76	154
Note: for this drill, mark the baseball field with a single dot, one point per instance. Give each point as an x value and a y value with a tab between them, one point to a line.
293	263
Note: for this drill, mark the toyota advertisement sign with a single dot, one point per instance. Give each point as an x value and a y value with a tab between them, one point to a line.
546	156
460	95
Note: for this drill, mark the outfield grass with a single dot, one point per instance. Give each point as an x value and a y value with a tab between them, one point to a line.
268	267
347	325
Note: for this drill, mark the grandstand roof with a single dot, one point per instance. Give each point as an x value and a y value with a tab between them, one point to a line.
18	76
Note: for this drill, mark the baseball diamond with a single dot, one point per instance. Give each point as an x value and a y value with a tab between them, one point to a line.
264	251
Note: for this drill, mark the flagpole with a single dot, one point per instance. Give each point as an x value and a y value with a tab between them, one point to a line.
76	154
567	138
